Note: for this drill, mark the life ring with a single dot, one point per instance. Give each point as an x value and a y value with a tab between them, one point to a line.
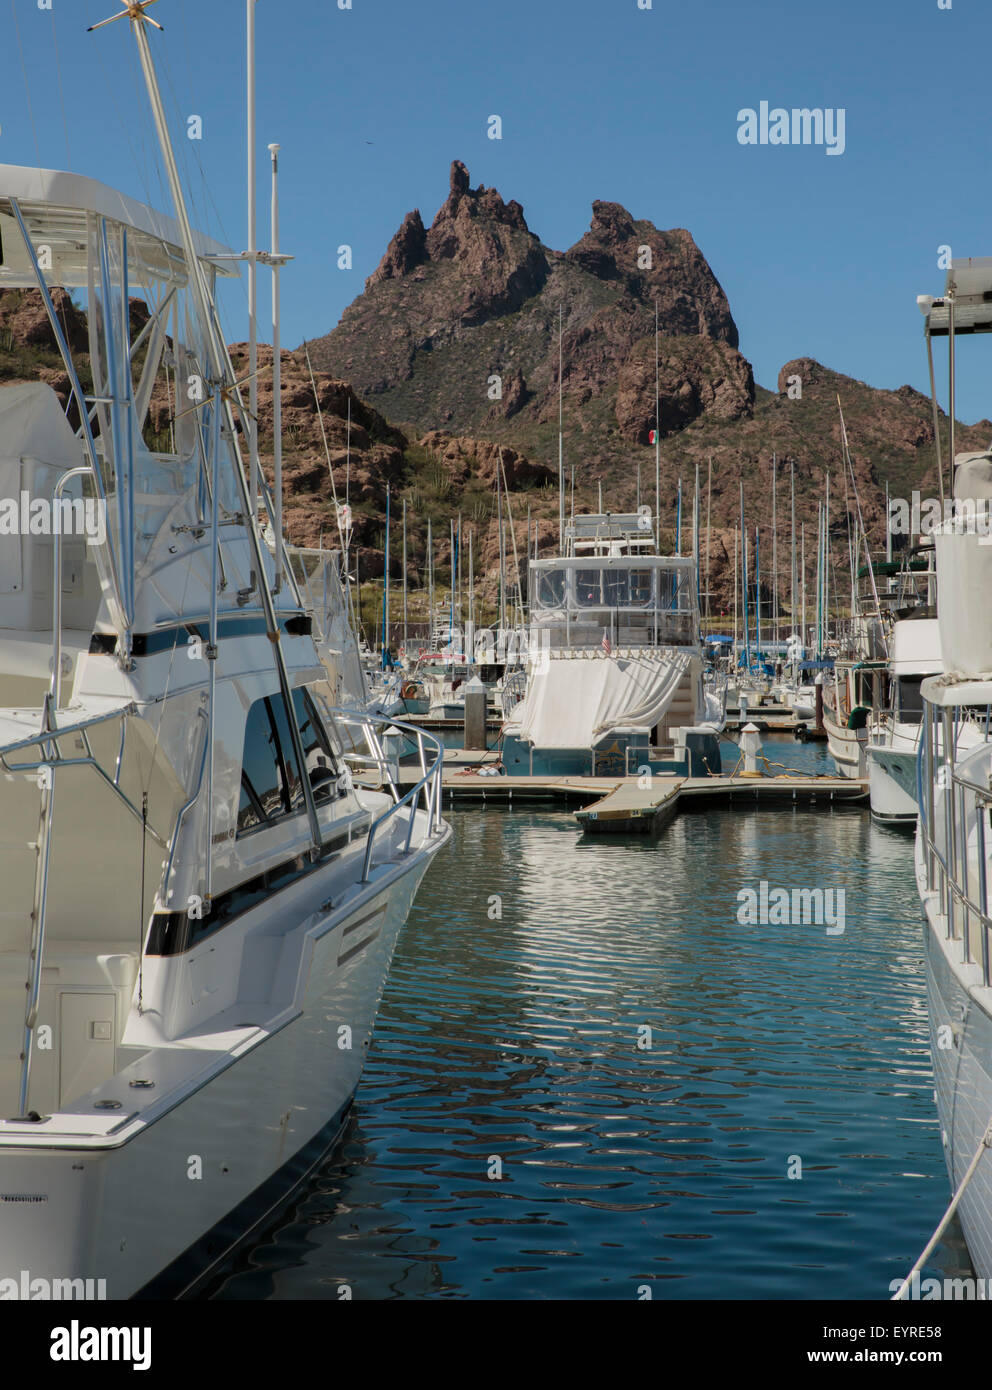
408	689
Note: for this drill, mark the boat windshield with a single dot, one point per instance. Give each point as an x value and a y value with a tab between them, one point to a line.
551	588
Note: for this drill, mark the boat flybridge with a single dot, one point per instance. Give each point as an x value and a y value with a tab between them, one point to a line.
615	678
199	903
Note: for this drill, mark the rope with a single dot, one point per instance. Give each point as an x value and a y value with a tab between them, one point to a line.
946	1219
141	903
796	771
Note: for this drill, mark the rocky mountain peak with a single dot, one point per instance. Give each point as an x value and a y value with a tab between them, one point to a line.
458	326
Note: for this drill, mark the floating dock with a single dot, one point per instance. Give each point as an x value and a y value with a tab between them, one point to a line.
622	805
632	809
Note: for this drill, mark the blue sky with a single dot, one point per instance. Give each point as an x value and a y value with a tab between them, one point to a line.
820	255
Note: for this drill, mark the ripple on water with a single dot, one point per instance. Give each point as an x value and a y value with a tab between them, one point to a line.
523	1039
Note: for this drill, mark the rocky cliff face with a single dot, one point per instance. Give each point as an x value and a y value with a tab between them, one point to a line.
458	327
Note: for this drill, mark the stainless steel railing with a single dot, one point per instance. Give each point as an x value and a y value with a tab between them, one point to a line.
424	795
967	918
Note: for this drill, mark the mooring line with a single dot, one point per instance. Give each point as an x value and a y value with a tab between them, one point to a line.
946	1220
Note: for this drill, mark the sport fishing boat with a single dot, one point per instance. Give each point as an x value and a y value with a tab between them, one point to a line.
953	840
200	905
615	667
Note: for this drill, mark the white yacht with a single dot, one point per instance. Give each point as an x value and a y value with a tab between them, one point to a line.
616	679
954	834
199	904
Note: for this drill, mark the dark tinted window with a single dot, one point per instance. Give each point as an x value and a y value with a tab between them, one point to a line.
321	764
587	588
910	699
270	782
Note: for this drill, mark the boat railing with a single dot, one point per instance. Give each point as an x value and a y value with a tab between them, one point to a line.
40	755
424	795
962	891
513	691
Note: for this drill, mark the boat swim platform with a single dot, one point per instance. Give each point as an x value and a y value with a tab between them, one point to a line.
622	805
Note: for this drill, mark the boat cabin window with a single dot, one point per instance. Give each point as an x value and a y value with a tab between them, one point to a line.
551	588
322	765
910	709
640	588
587	588
667	589
269	777
623	588
270	783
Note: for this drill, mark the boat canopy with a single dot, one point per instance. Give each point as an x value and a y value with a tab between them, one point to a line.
59	209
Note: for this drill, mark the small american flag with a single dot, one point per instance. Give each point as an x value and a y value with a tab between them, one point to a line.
606	644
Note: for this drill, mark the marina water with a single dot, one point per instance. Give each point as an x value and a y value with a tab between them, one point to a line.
514	1037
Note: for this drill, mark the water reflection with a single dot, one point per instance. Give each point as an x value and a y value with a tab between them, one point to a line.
589	1075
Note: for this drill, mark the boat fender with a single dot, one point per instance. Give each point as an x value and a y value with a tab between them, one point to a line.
859	716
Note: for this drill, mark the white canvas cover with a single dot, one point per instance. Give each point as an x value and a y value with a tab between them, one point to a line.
577	698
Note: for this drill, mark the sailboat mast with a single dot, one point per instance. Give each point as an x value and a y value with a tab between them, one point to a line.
709	502
747	626
451	587
757	592
347	484
252	423
774	553
499	510
404	578
276	377
826	564
737	599
527	566
792	593
385	589
802	537
695	533
471	595
430	586
561	462
657	439
819	579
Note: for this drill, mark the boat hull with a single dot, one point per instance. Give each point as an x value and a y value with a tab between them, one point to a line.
961	1044
892	785
848	748
159	1207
